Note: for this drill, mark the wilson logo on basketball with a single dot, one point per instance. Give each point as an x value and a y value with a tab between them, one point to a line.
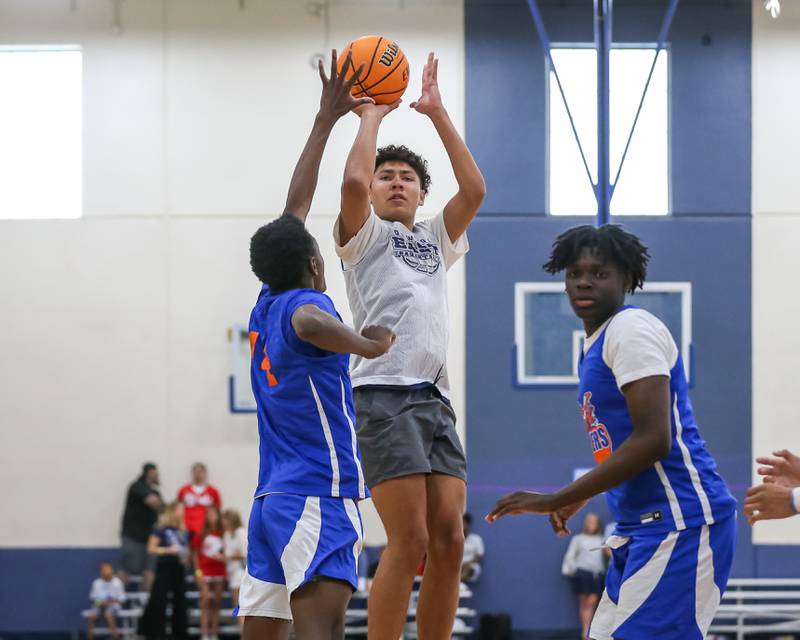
388	56
598	434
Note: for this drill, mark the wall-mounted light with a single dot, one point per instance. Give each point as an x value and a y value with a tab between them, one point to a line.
774	7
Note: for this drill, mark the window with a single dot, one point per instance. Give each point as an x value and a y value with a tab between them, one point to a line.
40	129
643	187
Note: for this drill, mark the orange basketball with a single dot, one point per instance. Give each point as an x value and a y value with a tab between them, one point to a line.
385	74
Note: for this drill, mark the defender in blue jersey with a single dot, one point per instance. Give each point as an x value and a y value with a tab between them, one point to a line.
673	546
305	532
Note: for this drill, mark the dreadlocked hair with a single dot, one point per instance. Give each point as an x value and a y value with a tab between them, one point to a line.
610	242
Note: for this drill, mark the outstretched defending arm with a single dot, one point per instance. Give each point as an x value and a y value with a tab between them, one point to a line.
335	101
462	207
325	332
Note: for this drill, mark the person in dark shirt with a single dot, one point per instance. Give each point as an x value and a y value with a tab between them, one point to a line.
142	505
168	543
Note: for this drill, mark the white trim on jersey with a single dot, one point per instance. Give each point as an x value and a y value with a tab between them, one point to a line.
687	460
302	546
354	441
326	428
707	595
355	519
674	505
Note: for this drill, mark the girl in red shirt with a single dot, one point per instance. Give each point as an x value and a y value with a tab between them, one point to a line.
210	573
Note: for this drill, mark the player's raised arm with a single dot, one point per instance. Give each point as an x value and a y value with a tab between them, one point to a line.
325	332
648	401
462	207
359	169
335	101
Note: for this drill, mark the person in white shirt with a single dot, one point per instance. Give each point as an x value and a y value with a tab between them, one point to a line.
473	552
107	595
395	273
235	545
585	563
779	496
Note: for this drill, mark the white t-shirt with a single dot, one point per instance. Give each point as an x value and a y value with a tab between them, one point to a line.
473	548
107	590
397	278
585	552
235	544
637	345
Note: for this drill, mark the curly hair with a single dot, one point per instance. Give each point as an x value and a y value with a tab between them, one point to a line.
279	252
610	242
401	153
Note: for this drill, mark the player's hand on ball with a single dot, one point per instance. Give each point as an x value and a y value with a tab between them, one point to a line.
520	502
336	99
558	519
768	501
782	468
431	99
380	110
381	340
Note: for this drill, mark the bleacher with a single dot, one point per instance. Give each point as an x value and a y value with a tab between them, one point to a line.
759	606
355	624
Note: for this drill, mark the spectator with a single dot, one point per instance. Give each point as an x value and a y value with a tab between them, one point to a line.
142	505
235	544
779	496
210	574
107	595
585	563
196	497
473	552
169	544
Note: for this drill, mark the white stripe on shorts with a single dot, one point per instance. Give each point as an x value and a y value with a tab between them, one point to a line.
263	599
326	428
355	519
302	546
633	592
707	595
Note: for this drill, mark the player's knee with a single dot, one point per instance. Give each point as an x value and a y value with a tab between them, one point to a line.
447	543
412	543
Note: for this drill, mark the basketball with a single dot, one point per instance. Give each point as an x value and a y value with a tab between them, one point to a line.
385	74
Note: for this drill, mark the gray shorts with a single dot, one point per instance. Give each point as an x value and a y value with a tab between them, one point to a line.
134	558
403	431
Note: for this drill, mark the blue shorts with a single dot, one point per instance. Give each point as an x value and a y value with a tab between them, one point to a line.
292	540
666	586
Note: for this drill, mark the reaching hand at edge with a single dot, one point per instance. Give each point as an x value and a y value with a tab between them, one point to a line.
782	468
336	100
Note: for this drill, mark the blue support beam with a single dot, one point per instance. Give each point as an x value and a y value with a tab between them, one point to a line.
603	24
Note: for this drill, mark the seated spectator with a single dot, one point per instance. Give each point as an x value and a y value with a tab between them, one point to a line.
107	595
210	574
585	563
169	544
235	544
779	496
142	504
196	497
473	552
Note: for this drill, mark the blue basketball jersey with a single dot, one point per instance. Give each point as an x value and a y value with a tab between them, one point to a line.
683	489
305	404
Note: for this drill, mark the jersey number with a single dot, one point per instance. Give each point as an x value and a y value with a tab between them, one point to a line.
272	381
